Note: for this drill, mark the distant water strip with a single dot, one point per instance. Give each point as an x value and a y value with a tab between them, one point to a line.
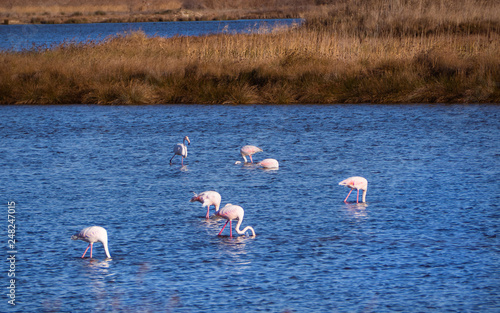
26	37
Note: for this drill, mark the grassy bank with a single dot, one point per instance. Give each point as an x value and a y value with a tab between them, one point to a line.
350	52
113	11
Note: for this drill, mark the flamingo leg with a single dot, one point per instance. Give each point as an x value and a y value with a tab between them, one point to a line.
182	161
231	228
86	251
345	200
223	228
357	197
251	161
208	211
172	159
91	245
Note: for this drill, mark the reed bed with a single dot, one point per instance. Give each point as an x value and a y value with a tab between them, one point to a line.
334	57
95	11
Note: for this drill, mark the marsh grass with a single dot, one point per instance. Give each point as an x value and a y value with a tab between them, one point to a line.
55	12
332	58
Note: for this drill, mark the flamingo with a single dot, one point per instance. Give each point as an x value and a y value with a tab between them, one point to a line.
269	163
231	212
181	149
358	183
208	198
248	151
93	234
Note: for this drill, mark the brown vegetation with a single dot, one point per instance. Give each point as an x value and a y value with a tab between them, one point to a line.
96	11
348	52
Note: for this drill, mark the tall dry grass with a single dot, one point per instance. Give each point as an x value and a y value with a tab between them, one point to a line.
55	7
93	11
327	60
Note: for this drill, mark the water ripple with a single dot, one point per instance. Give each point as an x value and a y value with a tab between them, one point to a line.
426	240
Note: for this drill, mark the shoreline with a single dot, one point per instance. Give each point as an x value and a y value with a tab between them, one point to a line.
346	54
180	16
250	69
136	11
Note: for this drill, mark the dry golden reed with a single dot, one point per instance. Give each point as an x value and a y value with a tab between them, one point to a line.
366	56
94	11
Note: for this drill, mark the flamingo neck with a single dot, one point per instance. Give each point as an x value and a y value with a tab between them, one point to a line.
242	232
244	158
105	245
364	194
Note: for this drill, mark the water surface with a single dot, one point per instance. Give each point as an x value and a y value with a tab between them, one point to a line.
425	241
21	37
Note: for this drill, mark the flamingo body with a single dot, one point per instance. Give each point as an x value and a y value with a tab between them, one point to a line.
231	212
269	163
181	149
91	235
249	151
358	183
208	198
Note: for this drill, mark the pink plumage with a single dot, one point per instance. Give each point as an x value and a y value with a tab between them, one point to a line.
208	198
91	235
248	151
269	163
231	212
181	149
356	182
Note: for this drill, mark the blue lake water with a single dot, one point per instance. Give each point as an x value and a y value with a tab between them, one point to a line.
425	241
20	37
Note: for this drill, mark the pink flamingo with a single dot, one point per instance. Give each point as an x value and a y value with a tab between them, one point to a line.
269	163
208	198
181	149
231	212
93	234
248	151
358	183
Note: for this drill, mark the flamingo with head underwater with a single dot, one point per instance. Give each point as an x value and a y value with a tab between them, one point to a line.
181	149
93	234
208	198
231	212
248	151
269	164
356	182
